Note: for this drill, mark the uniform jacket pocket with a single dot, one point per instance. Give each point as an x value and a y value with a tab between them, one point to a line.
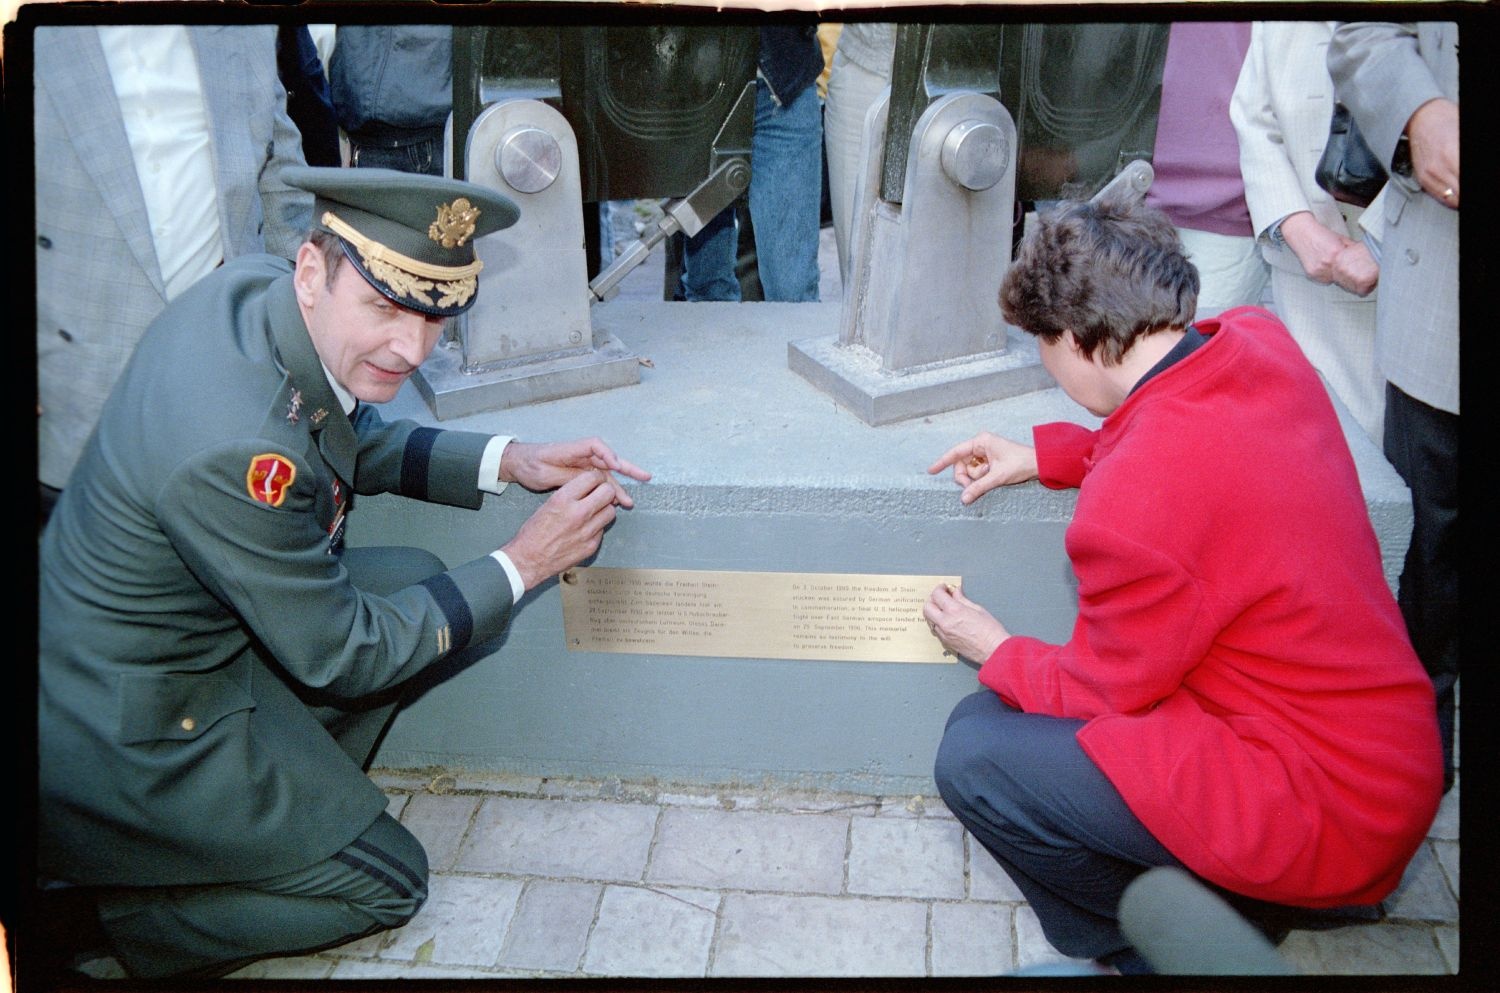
176	706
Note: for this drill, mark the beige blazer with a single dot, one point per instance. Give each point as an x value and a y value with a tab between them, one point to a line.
1281	109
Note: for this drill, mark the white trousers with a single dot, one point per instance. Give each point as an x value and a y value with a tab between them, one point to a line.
1231	270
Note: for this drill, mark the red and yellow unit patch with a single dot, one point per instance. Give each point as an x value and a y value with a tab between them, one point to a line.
268	478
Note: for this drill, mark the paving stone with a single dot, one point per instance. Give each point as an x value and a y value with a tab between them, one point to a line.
1447	939
709	801
395	780
973	939
650	932
750	850
498	782
906	856
801	802
913	806
1423	894
987	881
439	823
1368	950
748	801
551	926
1447	855
1034	950
367	947
359	969
1445	825
807	936
572	789
463	922
286	967
595	840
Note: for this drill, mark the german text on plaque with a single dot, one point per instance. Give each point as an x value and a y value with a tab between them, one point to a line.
773	615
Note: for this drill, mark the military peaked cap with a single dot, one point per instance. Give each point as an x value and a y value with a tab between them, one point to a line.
410	235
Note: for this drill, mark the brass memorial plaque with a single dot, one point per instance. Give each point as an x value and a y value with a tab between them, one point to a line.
763	615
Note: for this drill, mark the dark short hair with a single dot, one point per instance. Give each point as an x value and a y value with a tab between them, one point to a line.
1110	272
332	249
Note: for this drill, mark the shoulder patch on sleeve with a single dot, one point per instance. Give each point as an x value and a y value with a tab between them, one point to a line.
269	477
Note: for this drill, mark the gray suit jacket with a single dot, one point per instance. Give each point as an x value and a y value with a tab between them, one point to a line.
98	280
1383	73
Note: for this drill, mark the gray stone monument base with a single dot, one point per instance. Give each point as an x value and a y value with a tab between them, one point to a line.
450	392
753	469
852	375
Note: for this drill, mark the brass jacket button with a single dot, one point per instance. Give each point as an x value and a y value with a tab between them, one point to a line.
188	724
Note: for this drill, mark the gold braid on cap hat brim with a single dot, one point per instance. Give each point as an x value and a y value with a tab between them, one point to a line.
404	275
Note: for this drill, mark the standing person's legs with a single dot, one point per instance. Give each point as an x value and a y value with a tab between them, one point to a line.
1022	785
852	90
1421	442
708	260
786	189
1231	270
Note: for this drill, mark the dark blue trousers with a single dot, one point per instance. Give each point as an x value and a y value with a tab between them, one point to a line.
1024	788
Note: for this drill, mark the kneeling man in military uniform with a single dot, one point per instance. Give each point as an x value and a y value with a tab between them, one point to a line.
216	668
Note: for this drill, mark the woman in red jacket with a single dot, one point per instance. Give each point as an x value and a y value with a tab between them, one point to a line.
1239	696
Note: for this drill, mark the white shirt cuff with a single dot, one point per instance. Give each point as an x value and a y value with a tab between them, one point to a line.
517	587
489	465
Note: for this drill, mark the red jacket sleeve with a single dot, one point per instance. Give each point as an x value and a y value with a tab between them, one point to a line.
1064	453
1143	624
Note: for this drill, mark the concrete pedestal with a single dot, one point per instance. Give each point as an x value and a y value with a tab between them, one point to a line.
754	469
450	392
852	375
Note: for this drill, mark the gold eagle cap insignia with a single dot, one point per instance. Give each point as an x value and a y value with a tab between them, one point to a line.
454	224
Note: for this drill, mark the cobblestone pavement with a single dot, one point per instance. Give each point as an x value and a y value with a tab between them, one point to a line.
555	878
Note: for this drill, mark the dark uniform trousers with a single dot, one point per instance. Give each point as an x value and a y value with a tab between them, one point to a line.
376	882
1024	787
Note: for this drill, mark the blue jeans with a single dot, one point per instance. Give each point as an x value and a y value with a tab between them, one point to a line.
423	155
786	188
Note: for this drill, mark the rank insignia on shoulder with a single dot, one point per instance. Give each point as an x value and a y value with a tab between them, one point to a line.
269	477
294	406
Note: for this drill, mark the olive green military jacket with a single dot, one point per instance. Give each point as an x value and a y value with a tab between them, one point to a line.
199	535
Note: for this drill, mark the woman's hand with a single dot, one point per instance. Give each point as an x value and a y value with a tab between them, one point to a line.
1356	270
1316	246
986	461
964	628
